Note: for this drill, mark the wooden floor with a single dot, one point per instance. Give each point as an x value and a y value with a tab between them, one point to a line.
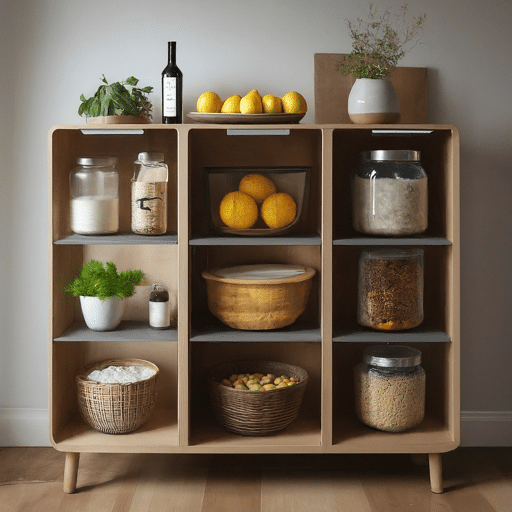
475	479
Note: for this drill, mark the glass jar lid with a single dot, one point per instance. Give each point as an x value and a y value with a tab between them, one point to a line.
103	161
393	155
392	356
151	157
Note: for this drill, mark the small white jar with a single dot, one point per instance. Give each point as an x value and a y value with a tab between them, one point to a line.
159	308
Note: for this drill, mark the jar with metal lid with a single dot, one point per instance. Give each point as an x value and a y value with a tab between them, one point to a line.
390	388
389	193
390	289
149	195
94	190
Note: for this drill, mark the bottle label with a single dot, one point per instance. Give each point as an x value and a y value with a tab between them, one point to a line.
169	106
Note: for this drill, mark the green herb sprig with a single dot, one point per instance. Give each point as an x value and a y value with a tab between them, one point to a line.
96	280
116	99
377	46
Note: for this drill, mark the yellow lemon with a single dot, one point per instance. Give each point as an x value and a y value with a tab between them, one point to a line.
254	91
259	187
278	210
209	102
231	105
294	103
271	104
251	104
238	210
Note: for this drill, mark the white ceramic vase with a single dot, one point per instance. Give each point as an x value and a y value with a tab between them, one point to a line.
373	101
102	315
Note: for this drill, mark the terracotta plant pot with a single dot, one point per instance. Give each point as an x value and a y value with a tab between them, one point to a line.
373	101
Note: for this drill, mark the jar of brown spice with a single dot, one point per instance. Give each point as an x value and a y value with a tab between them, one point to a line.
390	291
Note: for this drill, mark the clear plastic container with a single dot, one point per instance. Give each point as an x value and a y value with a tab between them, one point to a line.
149	195
390	291
389	193
94	190
390	388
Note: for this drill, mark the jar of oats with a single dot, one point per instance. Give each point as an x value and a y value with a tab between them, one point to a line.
390	388
149	195
390	289
389	193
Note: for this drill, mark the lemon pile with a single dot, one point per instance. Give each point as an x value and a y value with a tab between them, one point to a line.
252	103
257	194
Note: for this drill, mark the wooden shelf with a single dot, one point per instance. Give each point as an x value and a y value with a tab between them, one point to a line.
326	340
117	239
351	436
159	434
260	240
369	242
128	330
423	333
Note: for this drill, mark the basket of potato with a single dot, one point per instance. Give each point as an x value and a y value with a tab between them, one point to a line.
259	403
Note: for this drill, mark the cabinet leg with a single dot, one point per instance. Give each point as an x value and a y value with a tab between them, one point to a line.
436	472
71	472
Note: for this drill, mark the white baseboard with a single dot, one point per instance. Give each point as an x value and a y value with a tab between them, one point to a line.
24	427
486	428
29	427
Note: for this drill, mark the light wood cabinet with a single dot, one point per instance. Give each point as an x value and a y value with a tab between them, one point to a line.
326	340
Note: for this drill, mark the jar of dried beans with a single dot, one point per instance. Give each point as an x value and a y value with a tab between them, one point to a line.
390	290
389	193
390	388
149	195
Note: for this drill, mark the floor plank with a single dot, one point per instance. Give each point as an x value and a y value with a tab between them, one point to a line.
475	480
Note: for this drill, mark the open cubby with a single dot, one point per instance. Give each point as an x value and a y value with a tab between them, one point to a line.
325	340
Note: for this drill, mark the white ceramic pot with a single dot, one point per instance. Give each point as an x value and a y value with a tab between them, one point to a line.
102	315
373	101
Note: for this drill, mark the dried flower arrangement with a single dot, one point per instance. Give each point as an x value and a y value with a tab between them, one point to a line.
377	46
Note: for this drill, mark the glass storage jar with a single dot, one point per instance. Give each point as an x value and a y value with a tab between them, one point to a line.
94	190
390	388
390	289
389	193
149	195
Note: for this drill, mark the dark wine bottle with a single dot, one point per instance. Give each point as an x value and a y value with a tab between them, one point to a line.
172	89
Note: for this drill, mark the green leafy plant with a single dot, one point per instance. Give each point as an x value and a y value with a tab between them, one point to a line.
116	99
377	45
96	280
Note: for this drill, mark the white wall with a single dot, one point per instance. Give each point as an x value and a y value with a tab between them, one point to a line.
51	51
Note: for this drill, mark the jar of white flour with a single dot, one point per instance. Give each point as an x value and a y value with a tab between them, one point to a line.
94	189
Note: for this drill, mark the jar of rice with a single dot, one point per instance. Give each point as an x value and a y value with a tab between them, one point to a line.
390	388
389	193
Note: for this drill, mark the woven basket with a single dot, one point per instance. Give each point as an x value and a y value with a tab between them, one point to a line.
116	408
253	413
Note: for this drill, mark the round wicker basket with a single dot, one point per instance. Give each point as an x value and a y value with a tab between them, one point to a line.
116	408
253	413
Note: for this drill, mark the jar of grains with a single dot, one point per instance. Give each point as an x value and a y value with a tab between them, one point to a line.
94	189
390	388
389	193
390	290
149	195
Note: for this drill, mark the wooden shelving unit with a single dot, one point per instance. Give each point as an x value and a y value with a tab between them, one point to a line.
326	340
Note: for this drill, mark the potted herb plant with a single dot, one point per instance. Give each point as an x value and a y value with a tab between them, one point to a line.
102	291
115	103
378	43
